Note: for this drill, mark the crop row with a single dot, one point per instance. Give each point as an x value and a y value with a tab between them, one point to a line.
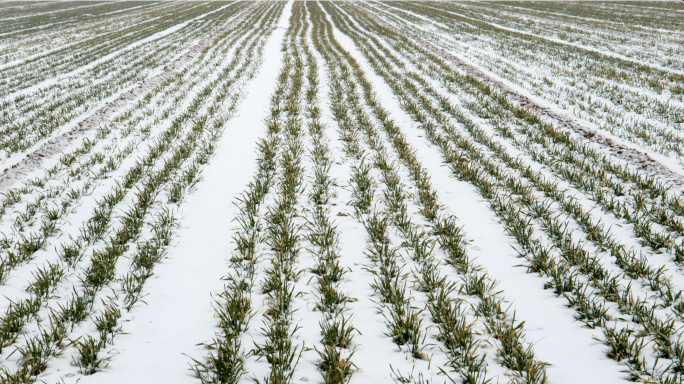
34	116
470	151
54	63
171	166
628	98
32	18
461	308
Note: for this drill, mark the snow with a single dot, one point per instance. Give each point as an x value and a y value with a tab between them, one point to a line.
667	167
549	323
175	320
104	110
102	59
163	335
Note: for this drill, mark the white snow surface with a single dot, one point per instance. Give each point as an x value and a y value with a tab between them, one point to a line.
171	327
549	323
163	336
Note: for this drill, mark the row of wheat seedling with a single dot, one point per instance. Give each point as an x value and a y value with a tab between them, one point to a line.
64	36
635	265
504	116
476	283
587	169
41	18
500	187
54	62
652	47
101	271
51	186
641	200
225	363
603	95
102	268
151	251
28	245
282	230
337	328
52	106
403	320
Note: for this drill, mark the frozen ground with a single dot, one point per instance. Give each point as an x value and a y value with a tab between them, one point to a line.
333	192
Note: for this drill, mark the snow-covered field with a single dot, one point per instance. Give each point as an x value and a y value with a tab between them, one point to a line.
341	192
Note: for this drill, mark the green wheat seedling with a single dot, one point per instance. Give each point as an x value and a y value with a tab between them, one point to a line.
399	378
363	187
101	272
336	329
89	360
488	193
45	279
403	321
224	365
338	369
107	322
422	181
